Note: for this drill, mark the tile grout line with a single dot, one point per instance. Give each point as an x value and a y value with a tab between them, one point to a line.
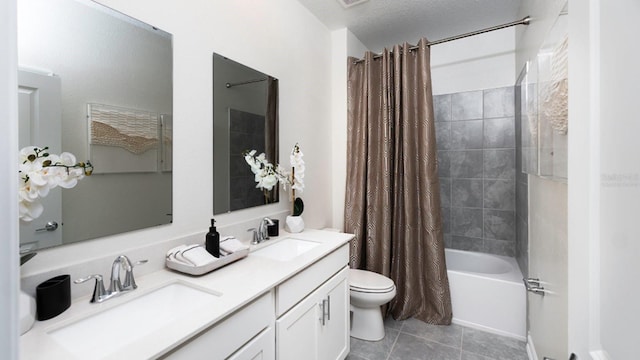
394	342
425	338
461	342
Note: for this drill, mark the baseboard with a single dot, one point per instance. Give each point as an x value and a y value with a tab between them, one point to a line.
595	355
487	329
531	349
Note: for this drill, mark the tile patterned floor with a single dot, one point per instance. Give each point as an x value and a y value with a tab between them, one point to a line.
415	340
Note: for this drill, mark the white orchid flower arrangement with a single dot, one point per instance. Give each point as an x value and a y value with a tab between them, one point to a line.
39	172
268	175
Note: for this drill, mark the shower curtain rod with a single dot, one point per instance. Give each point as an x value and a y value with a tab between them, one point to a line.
228	85
524	21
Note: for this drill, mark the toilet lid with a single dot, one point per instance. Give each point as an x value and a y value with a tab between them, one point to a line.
368	281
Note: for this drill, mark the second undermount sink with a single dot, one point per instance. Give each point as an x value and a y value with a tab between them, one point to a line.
106	332
286	249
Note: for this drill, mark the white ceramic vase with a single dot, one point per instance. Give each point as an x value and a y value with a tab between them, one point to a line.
294	224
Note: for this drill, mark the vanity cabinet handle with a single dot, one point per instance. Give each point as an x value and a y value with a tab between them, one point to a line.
322	305
328	307
325	306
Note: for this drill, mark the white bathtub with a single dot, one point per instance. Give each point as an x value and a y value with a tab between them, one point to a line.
487	292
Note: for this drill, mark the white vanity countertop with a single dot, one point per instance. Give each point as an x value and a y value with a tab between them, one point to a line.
239	283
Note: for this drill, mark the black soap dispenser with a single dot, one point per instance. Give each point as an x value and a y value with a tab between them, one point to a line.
212	243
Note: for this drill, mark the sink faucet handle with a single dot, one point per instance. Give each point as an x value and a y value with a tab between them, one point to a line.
99	292
263	234
129	280
256	239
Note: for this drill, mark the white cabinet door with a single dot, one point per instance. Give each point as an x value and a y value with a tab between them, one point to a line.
316	328
297	331
334	335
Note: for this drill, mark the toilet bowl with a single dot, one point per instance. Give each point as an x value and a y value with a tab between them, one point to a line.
368	291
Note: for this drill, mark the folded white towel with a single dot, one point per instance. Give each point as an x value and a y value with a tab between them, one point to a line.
171	254
198	256
232	245
180	255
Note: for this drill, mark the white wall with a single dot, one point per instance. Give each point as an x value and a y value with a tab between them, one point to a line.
343	45
479	62
529	38
279	37
8	206
583	187
620	178
604	170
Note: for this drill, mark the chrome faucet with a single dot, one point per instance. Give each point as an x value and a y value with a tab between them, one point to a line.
116	286
263	233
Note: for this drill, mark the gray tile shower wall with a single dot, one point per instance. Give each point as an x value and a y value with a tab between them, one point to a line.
475	136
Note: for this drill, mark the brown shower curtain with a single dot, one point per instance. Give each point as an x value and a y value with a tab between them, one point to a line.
393	192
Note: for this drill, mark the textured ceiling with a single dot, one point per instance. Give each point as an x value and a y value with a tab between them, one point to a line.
384	23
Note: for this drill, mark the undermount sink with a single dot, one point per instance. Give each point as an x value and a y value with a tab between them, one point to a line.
286	249
108	331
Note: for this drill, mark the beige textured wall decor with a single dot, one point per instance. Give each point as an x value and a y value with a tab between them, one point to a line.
133	130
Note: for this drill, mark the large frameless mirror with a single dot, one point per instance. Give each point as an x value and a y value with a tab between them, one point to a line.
245	117
96	83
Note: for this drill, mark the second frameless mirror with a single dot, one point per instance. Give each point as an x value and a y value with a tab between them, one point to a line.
245	117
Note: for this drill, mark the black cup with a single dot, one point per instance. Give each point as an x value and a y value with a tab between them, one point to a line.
273	230
53	297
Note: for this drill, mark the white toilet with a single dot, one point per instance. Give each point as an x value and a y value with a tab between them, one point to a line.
368	291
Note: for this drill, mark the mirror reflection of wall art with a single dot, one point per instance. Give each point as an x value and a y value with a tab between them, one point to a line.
123	140
166	123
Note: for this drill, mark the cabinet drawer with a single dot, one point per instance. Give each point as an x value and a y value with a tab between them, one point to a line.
227	336
262	347
295	289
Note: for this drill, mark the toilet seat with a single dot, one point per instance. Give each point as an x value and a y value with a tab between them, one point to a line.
369	282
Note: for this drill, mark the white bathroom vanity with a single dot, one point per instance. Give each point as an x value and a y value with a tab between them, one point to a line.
288	299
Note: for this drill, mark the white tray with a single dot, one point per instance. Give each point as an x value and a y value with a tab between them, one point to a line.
200	270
